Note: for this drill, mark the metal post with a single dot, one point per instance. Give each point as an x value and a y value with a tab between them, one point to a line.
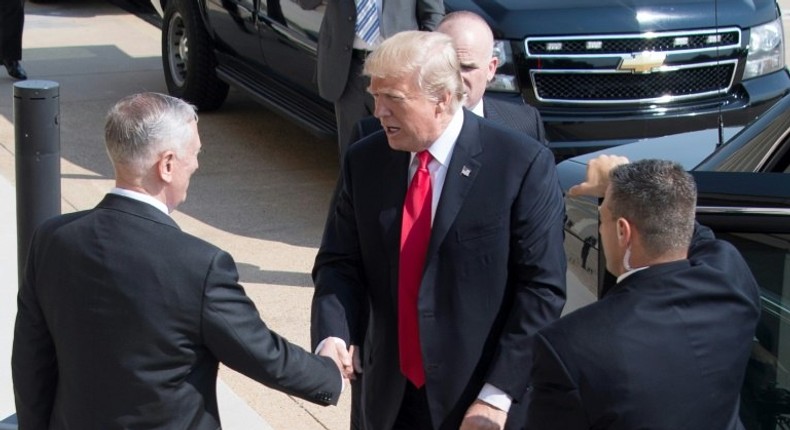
37	134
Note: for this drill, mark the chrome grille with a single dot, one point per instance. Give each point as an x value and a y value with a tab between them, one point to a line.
667	81
607	45
618	87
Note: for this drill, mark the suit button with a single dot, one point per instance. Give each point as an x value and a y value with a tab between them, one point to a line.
350	19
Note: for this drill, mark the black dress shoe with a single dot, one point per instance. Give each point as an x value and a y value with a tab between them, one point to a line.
15	70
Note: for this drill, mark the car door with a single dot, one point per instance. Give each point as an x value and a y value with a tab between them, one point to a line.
233	22
289	40
752	211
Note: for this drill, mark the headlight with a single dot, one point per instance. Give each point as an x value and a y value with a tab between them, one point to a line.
766	50
505	77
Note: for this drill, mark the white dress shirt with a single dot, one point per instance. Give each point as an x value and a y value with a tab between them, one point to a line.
145	198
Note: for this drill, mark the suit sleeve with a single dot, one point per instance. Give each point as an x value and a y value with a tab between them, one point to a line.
429	13
33	360
536	272
555	402
236	335
338	296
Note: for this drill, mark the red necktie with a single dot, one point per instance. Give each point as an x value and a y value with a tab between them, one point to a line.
414	237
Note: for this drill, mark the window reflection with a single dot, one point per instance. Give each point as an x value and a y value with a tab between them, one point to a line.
765	397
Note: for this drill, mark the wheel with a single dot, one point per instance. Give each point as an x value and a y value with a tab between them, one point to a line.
188	59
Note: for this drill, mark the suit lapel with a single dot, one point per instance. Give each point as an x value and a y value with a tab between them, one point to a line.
461	174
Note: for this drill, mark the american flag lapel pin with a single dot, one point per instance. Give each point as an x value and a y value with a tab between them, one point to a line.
466	171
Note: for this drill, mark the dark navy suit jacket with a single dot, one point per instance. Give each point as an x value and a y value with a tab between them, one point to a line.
123	318
665	349
494	274
516	115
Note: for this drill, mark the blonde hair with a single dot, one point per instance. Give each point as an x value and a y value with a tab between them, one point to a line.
430	55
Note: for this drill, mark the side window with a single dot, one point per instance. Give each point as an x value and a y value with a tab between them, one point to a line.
765	397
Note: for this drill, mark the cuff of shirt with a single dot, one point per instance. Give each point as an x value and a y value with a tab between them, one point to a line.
495	397
340	342
337	340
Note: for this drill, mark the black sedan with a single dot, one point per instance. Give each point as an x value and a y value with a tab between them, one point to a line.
744	196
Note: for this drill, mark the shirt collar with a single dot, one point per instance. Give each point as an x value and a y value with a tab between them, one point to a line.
442	149
629	273
140	197
478	109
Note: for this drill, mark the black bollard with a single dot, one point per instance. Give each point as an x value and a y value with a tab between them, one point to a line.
37	134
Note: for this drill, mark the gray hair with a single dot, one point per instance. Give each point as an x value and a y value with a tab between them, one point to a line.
658	197
141	126
430	54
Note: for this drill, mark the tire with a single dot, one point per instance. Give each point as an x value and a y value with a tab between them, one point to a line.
188	58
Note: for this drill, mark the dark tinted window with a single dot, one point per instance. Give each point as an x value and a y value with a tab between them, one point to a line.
765	398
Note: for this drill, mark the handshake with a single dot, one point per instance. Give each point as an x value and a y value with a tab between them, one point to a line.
346	359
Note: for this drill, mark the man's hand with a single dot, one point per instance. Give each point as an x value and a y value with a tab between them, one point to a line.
356	359
597	176
336	350
482	416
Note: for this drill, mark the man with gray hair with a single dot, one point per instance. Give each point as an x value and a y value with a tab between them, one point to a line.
123	318
449	228
666	348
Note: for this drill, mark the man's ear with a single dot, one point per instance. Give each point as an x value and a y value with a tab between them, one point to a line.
492	66
623	232
166	165
444	103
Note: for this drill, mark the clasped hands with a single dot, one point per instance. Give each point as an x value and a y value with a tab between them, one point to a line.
347	360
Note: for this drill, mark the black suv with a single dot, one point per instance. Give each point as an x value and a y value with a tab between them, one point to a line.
744	196
602	72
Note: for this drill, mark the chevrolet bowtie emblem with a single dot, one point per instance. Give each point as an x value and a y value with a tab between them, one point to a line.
643	62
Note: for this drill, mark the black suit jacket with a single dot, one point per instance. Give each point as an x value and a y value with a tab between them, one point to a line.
495	268
516	115
123	318
665	349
